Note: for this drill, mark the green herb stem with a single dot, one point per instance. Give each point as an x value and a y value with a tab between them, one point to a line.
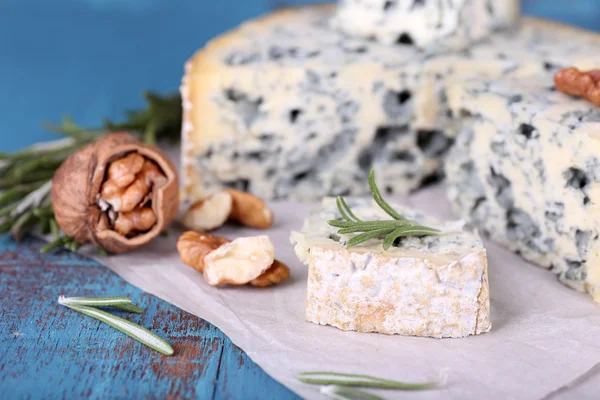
379	200
346	212
341	379
391	230
6	210
34	177
44	212
129	308
45	226
54	229
120	302
363	237
129	328
60	242
22	224
6	225
16	193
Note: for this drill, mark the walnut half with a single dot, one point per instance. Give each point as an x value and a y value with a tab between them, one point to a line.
115	193
584	84
238	262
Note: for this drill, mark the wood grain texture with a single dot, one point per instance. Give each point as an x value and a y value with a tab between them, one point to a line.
49	351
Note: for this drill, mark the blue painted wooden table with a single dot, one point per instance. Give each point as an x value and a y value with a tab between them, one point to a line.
92	58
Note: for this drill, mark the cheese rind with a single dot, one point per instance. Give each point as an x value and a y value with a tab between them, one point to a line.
526	171
431	25
286	107
434	286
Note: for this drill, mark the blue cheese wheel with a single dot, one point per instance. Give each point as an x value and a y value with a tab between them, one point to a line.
434	286
431	25
526	171
286	107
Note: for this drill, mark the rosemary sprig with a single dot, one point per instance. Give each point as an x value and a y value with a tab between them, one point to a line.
120	302
25	176
390	230
129	328
341	379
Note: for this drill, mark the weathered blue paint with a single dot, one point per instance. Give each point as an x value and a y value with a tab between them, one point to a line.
92	58
49	351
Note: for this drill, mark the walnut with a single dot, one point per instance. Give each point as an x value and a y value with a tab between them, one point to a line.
115	193
233	205
249	210
278	272
208	214
584	84
238	262
194	246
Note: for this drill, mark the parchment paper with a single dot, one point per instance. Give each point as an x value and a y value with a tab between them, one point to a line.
544	343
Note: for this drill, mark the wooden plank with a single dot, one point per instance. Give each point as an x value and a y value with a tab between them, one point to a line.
52	352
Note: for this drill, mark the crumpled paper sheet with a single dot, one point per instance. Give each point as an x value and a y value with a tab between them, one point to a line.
544	342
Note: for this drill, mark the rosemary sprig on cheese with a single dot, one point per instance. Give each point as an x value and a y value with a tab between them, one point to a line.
389	230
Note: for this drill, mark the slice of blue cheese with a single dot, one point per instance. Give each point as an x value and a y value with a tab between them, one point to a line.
287	107
526	172
431	25
435	286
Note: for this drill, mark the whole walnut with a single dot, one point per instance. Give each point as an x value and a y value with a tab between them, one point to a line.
116	193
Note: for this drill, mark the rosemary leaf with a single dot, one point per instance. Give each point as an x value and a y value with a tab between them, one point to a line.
44	212
334	378
337	223
120	302
409	230
150	133
94	301
33	199
22	224
16	193
6	225
363	237
129	328
45	226
36	150
355	229
6	210
74	245
379	200
34	177
367	224
19	171
67	127
54	229
129	308
373	225
344	393
60	242
347	214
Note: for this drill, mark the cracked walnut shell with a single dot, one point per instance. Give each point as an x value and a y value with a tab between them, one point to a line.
116	193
